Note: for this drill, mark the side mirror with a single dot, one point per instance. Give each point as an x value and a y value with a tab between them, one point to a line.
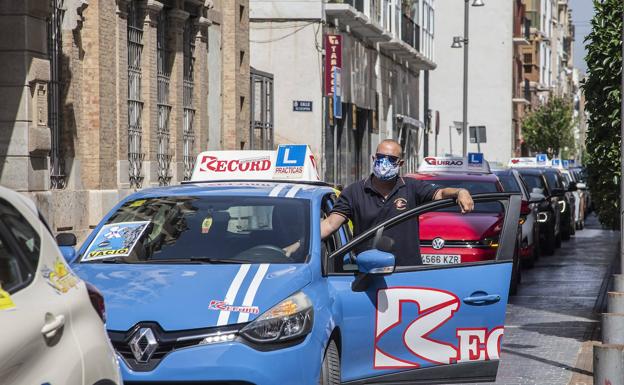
536	197
66	239
581	186
573	186
375	262
69	253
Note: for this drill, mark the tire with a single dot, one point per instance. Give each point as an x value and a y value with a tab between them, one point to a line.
330	368
550	242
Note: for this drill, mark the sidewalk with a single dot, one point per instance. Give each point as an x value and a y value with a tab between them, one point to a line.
553	319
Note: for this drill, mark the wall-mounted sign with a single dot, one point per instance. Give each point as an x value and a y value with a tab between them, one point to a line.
302	105
333	59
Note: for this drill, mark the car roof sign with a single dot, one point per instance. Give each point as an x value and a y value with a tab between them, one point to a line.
292	162
474	162
540	160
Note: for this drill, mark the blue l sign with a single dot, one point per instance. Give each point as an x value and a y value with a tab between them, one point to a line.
475	158
291	155
541	158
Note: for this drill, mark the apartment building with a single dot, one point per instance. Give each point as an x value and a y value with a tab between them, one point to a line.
104	97
382	48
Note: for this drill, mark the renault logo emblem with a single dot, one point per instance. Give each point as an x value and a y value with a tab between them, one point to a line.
143	344
437	243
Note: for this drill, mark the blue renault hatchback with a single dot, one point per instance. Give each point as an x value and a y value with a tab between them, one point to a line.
225	280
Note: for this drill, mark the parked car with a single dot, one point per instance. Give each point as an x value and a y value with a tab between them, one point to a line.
571	185
462	238
530	241
199	288
549	211
581	183
51	322
557	185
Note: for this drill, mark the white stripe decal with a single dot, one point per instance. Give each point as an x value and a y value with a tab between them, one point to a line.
293	191
230	296
276	190
253	289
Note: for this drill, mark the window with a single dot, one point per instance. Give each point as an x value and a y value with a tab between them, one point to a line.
55	119
27	238
535	183
163	69
135	104
200	228
13	273
474	187
188	137
509	183
261	110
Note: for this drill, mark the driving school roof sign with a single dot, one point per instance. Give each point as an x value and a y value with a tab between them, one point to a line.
474	162
289	162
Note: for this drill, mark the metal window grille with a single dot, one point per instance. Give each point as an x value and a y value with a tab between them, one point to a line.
135	104
57	177
261	110
188	135
163	155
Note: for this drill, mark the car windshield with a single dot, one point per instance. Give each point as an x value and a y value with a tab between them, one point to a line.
474	187
510	184
200	229
535	183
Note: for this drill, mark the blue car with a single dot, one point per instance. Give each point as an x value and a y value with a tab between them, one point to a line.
229	282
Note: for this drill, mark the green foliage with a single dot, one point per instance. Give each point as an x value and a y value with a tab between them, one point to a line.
602	94
548	129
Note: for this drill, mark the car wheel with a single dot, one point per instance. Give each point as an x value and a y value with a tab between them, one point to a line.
550	241
330	368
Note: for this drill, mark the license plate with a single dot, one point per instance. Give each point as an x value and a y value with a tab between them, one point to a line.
440	259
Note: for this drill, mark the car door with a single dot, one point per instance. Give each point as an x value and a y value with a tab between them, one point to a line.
37	344
424	324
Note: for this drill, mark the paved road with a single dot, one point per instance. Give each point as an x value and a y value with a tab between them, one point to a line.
554	311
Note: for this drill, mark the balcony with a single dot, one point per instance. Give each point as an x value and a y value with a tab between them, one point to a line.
522	93
522	32
410	32
350	13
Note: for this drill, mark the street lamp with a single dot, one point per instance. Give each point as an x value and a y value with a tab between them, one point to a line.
459	42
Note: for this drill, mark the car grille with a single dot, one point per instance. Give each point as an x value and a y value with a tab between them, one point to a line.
167	342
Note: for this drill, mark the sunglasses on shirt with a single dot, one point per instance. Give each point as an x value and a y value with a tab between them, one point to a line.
393	159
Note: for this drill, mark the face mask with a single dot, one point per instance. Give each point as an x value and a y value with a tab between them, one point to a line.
384	169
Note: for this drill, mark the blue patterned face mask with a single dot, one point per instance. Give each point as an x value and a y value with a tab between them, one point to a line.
384	169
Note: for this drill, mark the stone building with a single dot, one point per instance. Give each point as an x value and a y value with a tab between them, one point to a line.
103	97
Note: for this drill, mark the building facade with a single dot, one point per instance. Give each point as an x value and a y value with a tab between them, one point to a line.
124	94
382	49
491	84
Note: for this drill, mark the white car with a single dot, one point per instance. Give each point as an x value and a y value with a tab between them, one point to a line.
579	207
51	322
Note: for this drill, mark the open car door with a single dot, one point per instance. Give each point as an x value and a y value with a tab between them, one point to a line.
421	324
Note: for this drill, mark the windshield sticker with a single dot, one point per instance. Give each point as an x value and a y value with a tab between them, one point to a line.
59	277
206	224
222	305
6	303
138	203
115	240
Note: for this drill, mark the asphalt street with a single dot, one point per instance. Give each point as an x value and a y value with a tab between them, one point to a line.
551	322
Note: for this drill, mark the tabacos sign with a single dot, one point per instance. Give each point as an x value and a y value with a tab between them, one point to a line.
291	161
435	309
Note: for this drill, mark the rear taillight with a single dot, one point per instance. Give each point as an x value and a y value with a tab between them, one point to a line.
524	208
97	300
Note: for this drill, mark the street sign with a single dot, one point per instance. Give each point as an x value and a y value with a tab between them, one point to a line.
333	59
302	105
337	93
477	134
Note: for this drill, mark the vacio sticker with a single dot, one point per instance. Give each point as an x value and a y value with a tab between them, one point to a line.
115	240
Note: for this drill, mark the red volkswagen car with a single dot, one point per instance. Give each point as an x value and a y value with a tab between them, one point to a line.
449	237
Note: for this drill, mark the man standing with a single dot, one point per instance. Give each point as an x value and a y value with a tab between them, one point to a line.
385	194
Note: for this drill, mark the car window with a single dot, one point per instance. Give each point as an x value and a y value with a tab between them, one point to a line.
27	238
245	229
535	183
14	274
474	187
552	180
510	184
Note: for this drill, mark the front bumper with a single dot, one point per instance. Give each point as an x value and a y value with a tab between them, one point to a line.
236	363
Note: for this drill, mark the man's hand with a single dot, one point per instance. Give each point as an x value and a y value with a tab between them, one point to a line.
289	250
330	224
465	202
464	199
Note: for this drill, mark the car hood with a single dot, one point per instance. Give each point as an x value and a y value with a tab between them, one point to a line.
179	297
455	226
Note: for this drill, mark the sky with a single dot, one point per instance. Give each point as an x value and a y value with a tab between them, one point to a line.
582	12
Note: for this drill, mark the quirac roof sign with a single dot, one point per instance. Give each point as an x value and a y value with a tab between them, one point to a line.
540	160
474	162
292	162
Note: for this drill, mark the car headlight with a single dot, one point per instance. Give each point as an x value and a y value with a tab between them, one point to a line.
292	318
542	217
490	241
563	206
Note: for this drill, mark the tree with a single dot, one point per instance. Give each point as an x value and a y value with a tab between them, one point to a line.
602	95
548	129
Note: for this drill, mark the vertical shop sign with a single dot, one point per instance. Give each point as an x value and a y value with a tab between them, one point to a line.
333	59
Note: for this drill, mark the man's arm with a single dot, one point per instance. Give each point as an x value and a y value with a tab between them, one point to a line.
330	224
464	200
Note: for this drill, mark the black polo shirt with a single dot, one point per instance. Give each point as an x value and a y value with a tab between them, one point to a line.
366	207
